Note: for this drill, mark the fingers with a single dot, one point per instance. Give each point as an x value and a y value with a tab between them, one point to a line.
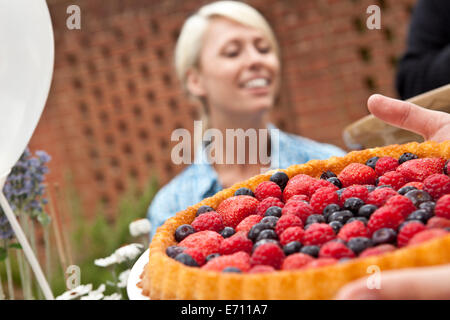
406	115
406	284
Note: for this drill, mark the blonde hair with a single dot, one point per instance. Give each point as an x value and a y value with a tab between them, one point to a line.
189	43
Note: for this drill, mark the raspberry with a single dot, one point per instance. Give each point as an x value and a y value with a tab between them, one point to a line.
321	262
385	217
239	260
385	164
438	222
267	189
268	254
357	173
233	210
267	203
235	243
318	234
426	235
286	221
355	191
323	197
296	261
298	184
416	184
298	208
437	185
302	197
336	250
408	231
261	269
442	208
353	229
208	221
196	254
206	241
248	223
419	169
291	234
318	184
392	178
378	197
401	204
382	248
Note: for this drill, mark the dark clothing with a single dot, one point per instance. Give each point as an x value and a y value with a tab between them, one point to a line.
426	63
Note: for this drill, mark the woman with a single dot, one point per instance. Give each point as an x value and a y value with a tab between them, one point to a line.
227	58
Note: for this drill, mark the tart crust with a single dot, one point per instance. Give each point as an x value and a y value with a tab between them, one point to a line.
165	278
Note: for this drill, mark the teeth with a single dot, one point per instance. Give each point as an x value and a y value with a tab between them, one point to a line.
257	83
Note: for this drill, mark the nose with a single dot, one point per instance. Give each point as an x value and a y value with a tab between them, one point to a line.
255	59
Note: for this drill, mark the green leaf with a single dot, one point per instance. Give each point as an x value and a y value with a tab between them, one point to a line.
3	254
15	246
44	219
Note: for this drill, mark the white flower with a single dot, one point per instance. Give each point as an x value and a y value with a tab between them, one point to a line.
140	227
75	293
128	252
114	296
106	262
123	278
95	294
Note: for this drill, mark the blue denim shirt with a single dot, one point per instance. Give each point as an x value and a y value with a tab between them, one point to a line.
200	180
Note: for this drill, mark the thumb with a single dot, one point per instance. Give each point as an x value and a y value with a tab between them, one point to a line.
405	284
406	115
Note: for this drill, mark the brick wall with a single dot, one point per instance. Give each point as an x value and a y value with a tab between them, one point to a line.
114	99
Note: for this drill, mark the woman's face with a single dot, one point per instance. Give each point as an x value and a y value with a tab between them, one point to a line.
238	68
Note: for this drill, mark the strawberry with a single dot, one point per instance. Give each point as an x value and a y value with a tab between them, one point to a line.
234	209
248	223
206	241
357	173
299	184
419	169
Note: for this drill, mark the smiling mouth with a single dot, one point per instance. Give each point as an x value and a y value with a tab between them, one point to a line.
256	83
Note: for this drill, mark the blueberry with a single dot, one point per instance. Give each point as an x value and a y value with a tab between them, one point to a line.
384	235
384	186
232	270
446	171
292	247
173	251
270	220
335	181
244	192
359	244
406	157
307	226
340	191
273	211
345	259
203	209
329	209
428	206
327	174
406	189
227	232
263	241
421	215
404	223
370	187
256	229
418	196
212	256
366	210
353	204
372	162
186	259
267	234
341	216
315	218
280	178
183	231
311	250
336	225
362	219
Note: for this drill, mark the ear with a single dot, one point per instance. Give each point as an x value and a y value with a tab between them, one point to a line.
194	83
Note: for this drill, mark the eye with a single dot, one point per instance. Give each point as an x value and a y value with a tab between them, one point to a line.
263	46
231	50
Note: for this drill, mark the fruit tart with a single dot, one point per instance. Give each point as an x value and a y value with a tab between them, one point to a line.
305	231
